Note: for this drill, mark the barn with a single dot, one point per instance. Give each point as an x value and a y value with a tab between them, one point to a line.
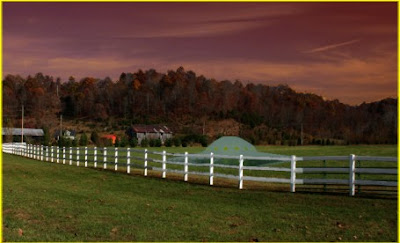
141	132
16	133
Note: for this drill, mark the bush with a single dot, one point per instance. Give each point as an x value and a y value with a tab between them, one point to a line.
157	143
116	144
203	141
75	142
83	141
152	142
144	143
168	142
177	142
184	143
133	142
94	137
124	142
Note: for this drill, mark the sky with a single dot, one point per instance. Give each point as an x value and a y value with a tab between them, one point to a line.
345	51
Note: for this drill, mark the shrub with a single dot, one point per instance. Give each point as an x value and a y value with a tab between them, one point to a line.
116	144
144	143
94	137
83	140
177	142
133	142
203	141
157	143
184	143
152	142
124	142
168	142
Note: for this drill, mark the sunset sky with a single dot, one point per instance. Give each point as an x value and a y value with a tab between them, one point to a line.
345	51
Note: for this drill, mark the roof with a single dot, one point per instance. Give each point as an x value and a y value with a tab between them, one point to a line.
151	129
27	132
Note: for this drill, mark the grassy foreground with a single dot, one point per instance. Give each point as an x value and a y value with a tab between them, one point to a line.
54	202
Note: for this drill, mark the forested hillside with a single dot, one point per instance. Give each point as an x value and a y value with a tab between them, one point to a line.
190	104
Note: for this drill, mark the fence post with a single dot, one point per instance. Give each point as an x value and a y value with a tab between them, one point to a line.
95	157
164	164
211	168
241	171
51	154
77	155
70	155
47	153
145	162
186	167
64	155
116	158
105	158
293	173
58	154
41	152
85	156
36	151
352	175
128	160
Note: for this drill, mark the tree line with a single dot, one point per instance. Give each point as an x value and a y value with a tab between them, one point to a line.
182	99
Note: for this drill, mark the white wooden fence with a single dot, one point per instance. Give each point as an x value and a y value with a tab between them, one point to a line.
350	174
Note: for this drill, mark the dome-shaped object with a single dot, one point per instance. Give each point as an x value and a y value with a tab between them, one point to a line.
235	146
231	145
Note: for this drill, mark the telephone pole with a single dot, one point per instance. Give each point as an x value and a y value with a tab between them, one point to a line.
301	134
60	127
22	125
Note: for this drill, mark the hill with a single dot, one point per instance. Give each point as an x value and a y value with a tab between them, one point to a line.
189	103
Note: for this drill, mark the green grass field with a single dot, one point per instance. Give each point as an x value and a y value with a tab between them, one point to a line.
45	201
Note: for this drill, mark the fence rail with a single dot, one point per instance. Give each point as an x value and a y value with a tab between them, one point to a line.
349	175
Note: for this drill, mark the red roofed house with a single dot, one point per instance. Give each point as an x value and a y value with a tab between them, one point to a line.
141	132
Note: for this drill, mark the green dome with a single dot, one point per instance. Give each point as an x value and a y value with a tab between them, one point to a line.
230	145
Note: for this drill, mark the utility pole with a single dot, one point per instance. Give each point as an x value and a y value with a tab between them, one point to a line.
22	125
60	127
301	134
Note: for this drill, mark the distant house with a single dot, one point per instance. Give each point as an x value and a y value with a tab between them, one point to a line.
111	137
141	132
69	134
27	132
17	133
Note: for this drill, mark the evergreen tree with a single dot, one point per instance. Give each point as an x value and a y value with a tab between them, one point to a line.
46	137
83	141
94	137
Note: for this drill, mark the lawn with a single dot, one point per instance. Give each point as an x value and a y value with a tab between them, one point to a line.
45	201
